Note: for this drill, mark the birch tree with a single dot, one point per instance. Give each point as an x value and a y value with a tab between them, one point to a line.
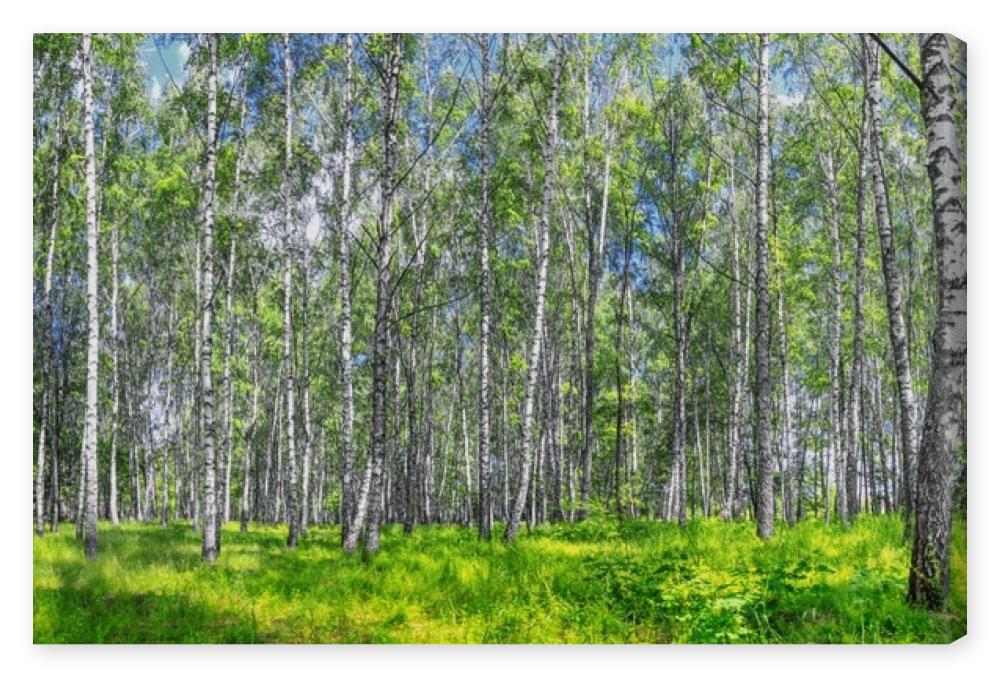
836	433
485	247
854	415
88	478
344	265
210	539
893	288
227	376
762	313
286	190
370	493
527	436
930	566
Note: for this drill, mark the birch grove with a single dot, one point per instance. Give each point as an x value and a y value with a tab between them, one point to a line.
368	280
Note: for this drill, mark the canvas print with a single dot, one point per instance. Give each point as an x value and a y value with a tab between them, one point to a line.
499	338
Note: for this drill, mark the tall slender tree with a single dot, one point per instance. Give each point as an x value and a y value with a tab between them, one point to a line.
893	287
485	247
210	539
88	478
930	566
541	281
344	266
854	414
836	433
287	363
371	490
227	375
762	313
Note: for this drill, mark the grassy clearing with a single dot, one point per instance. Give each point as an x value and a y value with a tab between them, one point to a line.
598	581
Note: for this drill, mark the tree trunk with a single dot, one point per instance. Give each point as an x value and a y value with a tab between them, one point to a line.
194	498
485	245
248	439
307	454
930	565
504	423
854	414
380	350
513	522
93	321
210	540
292	494
680	335
344	262
464	426
788	494
227	379
115	382
169	407
737	362
893	290
762	315
427	462
380	356
633	462
887	506
836	433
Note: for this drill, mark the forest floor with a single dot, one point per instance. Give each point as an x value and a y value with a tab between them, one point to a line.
595	582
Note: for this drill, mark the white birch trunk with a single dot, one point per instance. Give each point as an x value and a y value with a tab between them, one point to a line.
762	343
930	569
485	245
893	288
839	461
292	495
344	262
210	540
513	522
93	334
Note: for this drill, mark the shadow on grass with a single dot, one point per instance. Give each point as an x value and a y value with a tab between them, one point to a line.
90	607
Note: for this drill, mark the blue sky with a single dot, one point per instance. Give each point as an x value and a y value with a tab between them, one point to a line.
174	56
176	52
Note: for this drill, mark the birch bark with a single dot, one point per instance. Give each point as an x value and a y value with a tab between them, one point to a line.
930	566
292	493
210	540
762	314
485	245
893	288
514	520
344	264
89	476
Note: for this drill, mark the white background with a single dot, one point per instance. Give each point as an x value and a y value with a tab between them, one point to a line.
969	660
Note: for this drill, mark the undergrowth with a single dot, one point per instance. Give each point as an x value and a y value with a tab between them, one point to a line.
598	581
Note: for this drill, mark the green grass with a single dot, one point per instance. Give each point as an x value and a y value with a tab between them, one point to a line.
598	581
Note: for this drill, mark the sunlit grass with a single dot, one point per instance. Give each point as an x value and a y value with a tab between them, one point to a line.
597	581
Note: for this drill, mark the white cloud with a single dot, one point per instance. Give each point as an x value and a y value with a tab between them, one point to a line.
156	90
184	50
